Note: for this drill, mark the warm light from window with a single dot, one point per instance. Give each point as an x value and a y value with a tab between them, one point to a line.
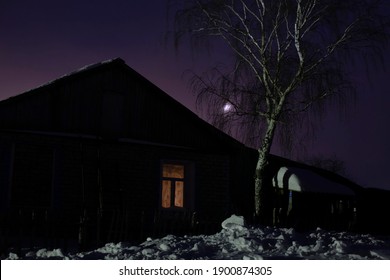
172	192
166	194
173	171
179	191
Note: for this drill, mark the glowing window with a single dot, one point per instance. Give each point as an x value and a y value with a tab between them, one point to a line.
173	171
166	194
179	193
172	186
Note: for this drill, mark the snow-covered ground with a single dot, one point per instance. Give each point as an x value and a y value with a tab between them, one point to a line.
237	241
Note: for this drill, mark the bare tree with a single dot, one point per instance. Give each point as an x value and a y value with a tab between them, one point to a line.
289	56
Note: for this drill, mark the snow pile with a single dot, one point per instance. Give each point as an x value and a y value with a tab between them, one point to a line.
234	222
237	241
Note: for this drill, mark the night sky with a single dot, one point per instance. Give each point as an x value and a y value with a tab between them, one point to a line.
42	40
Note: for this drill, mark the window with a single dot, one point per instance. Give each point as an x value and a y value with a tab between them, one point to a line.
172	186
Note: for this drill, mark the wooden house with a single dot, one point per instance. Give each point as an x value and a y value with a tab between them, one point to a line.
102	154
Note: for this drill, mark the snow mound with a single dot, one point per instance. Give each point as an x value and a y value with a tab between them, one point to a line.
234	222
235	241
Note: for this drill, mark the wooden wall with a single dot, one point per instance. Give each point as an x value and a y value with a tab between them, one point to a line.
82	178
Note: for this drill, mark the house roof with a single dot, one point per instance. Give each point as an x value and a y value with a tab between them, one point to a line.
64	78
333	177
10	107
305	180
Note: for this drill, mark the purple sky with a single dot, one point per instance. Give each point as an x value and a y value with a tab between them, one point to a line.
42	40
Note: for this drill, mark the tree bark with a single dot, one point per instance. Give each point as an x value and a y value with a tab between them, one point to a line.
262	182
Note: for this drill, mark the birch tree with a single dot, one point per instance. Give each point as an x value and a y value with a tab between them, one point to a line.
290	56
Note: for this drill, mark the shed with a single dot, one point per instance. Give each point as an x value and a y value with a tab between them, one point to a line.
305	197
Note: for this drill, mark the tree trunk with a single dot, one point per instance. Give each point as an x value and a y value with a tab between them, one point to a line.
262	182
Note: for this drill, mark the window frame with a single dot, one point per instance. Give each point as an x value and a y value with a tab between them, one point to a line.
188	194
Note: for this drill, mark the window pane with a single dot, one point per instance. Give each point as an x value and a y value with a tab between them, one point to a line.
179	193
173	171
166	194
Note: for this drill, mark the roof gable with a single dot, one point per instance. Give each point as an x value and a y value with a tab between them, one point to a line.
109	99
304	180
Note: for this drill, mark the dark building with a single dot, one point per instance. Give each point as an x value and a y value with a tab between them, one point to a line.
372	211
103	154
307	197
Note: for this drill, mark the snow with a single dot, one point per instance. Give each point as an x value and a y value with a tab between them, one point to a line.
234	222
302	180
235	241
